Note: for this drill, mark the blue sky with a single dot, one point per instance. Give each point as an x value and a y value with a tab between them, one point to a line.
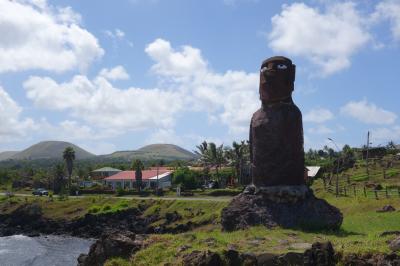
117	75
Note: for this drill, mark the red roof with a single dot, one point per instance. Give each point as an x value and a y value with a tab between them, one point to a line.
146	174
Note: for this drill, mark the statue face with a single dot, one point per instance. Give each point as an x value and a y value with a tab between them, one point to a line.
276	79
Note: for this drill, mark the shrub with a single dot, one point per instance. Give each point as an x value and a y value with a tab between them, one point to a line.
106	208
185	177
94	209
120	192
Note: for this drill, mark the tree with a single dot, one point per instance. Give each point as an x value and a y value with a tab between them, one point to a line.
138	166
236	156
58	182
215	156
69	157
185	177
202	151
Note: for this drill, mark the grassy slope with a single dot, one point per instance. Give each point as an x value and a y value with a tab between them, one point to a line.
154	152
359	233
50	149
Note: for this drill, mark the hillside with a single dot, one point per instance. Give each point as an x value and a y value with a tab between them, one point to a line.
167	149
5	155
50	150
166	152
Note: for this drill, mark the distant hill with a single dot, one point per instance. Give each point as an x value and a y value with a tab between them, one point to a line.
54	149
166	152
5	155
50	150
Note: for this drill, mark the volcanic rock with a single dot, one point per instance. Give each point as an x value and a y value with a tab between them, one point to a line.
285	206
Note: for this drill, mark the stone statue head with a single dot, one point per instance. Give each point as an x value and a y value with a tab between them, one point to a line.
277	76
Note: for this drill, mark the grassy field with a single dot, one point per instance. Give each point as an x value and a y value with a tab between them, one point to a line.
360	233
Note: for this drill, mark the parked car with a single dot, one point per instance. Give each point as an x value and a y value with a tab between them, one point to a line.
40	192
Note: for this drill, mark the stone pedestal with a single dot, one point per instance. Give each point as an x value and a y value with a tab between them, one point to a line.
284	206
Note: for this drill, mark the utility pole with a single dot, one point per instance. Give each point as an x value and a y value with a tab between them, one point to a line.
367	156
337	168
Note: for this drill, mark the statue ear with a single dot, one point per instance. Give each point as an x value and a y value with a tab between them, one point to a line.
293	72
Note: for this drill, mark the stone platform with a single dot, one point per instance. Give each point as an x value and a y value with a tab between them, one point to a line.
285	206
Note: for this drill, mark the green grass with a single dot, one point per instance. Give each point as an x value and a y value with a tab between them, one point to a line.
70	209
197	212
359	233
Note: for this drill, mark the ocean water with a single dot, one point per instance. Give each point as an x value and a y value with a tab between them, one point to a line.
21	250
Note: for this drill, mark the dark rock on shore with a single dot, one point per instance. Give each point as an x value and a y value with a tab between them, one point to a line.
282	206
29	220
320	254
202	258
113	244
371	260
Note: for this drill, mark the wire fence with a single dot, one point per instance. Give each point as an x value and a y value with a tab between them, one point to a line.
363	191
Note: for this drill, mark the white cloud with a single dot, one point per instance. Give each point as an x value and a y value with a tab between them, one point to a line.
177	65
116	73
38	36
318	115
165	136
321	130
386	134
232	97
389	10
12	126
102	105
326	38
368	113
71	130
115	34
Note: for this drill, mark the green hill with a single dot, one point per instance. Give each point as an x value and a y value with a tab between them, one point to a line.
5	155
166	152
50	150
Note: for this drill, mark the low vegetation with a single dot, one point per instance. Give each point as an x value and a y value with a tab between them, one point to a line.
360	233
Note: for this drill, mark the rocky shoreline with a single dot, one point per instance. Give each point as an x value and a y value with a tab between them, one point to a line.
126	244
28	220
122	234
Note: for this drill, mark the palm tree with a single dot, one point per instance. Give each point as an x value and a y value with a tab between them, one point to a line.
216	157
235	156
69	157
138	166
202	151
390	145
58	181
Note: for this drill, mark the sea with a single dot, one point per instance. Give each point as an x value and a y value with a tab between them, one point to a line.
19	250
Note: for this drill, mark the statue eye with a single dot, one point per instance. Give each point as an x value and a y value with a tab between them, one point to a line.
281	66
263	69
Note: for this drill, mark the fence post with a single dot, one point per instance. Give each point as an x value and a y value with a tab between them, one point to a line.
354	190
345	192
376	194
386	192
398	191
365	192
324	179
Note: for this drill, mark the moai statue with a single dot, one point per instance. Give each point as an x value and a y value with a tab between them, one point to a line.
279	194
276	129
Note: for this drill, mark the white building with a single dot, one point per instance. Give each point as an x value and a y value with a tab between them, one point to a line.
127	179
